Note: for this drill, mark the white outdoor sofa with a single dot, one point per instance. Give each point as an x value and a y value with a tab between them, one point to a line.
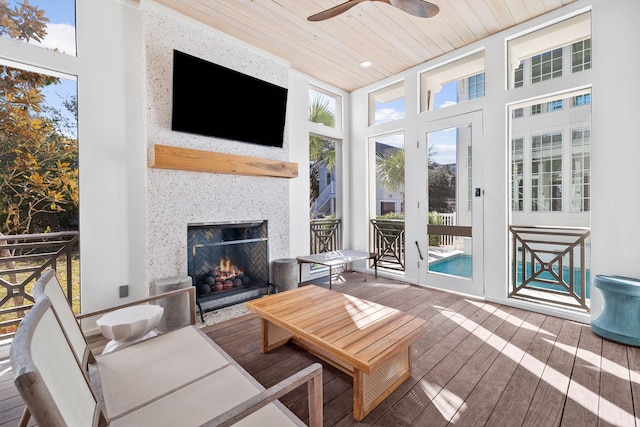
181	378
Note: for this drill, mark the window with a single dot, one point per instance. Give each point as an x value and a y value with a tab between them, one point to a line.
39	177
323	163
386	104
546	172
540	55
452	83
475	86
581	56
325	107
554	105
581	170
582	100
517	113
546	66
517	174
519	76
387	174
57	31
536	109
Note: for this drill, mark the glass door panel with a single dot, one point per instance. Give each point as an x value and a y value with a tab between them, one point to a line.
453	212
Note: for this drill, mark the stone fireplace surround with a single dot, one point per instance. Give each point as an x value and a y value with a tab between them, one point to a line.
176	198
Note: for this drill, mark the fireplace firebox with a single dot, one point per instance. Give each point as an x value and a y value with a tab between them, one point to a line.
228	262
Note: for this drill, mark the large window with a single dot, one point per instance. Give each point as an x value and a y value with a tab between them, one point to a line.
38	136
389	174
324	109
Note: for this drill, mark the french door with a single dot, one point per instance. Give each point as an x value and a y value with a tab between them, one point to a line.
450	208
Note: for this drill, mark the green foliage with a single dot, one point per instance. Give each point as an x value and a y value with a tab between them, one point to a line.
440	189
434	218
322	150
391	215
320	111
390	170
38	163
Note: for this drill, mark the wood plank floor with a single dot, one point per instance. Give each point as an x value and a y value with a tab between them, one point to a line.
478	364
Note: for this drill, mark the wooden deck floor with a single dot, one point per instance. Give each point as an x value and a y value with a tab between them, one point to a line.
479	364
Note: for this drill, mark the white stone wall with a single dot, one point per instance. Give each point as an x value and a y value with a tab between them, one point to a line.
177	198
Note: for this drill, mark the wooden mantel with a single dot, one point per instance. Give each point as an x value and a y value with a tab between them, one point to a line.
166	157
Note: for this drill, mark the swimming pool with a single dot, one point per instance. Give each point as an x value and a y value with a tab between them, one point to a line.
460	265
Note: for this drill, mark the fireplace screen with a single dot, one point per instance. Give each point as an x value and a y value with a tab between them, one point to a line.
228	262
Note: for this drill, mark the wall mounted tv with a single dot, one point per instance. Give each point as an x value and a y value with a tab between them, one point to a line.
212	100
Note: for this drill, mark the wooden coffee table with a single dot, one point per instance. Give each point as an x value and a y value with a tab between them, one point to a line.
369	341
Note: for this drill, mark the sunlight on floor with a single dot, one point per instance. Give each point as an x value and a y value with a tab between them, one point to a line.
608	411
446	402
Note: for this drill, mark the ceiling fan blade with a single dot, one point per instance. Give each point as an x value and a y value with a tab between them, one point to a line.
419	8
334	11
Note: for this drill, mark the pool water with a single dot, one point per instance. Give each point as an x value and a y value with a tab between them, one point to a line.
460	265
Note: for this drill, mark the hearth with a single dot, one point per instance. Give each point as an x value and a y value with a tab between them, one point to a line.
228	262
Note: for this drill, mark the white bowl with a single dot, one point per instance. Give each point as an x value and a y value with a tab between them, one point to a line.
130	323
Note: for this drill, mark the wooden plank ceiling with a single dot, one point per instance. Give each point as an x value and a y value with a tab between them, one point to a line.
332	50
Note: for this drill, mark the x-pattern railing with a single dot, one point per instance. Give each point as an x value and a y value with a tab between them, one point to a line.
326	235
23	259
388	242
550	265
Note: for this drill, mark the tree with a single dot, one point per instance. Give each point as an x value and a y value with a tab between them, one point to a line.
38	163
390	171
439	189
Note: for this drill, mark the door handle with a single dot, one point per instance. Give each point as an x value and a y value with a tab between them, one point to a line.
419	251
478	191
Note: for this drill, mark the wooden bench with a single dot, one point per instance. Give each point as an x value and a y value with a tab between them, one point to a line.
178	378
366	340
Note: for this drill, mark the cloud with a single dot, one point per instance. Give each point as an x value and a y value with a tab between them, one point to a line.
61	37
447	104
387	114
444	154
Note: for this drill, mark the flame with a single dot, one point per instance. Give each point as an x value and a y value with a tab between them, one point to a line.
227	270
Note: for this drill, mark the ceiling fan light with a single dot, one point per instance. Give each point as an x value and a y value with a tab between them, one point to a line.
366	64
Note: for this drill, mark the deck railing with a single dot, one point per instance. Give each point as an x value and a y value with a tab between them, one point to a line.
549	264
23	259
387	242
326	235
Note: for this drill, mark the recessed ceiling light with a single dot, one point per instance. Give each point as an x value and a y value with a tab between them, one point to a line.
366	64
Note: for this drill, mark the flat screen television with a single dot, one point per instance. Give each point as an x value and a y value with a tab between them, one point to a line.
212	100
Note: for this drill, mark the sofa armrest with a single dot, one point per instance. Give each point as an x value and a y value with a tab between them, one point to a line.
190	291
311	375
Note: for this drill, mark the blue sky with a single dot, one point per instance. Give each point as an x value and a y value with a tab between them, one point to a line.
444	141
61	35
61	26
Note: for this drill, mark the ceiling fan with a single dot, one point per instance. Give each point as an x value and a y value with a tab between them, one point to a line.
420	8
